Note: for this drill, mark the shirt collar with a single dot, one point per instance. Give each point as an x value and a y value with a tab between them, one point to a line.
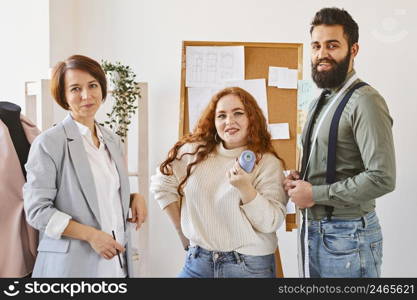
86	132
229	152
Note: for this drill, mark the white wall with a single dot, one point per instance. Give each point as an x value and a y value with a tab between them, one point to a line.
24	50
147	35
63	32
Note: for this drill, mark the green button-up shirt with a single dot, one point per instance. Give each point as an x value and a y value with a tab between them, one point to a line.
365	157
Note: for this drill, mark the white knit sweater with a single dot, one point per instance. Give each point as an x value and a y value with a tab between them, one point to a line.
212	215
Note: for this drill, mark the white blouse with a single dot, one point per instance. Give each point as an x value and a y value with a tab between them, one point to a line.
107	184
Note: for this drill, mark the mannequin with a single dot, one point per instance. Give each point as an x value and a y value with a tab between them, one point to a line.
10	115
19	240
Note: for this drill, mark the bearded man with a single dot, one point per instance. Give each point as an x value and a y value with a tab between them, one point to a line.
348	158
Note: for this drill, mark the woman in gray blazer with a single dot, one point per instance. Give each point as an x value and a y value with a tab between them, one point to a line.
77	190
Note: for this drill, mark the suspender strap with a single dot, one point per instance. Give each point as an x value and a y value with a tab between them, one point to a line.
331	152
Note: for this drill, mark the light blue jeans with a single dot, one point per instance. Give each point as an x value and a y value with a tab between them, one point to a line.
345	248
202	263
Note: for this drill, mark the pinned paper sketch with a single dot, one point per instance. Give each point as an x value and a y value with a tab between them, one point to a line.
282	78
257	88
279	131
211	66
198	99
306	93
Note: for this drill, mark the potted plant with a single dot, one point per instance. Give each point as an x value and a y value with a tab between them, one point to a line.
125	92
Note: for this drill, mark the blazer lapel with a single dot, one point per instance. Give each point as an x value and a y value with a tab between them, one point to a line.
81	165
116	155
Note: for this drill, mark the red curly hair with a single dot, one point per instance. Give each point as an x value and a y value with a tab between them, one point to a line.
204	133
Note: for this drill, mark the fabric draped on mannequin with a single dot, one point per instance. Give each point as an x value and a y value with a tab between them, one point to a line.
10	116
19	240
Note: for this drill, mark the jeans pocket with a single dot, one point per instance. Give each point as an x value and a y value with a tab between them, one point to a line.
376	249
258	264
340	244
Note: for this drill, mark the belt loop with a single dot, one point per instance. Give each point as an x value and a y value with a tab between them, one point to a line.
329	212
319	225
364	222
196	251
237	256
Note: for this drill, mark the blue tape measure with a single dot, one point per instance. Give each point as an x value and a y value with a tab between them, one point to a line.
247	160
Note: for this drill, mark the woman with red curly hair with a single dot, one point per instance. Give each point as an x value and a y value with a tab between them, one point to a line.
225	217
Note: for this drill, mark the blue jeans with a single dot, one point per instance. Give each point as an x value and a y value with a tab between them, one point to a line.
345	248
202	263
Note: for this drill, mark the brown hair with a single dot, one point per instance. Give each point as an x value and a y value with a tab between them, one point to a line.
75	62
259	139
336	16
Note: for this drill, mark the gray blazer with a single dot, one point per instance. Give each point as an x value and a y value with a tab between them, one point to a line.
59	178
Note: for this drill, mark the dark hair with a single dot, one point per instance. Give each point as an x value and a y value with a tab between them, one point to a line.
259	139
337	16
75	62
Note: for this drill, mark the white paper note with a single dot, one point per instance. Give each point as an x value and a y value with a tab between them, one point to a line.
282	78
211	66
287	78
273	75
279	131
290	207
198	99
257	88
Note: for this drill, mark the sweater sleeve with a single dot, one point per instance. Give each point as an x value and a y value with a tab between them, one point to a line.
164	187
267	211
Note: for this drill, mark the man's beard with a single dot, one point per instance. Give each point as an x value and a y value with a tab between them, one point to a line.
332	78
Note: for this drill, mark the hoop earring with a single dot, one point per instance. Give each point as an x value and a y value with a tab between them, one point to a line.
216	138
